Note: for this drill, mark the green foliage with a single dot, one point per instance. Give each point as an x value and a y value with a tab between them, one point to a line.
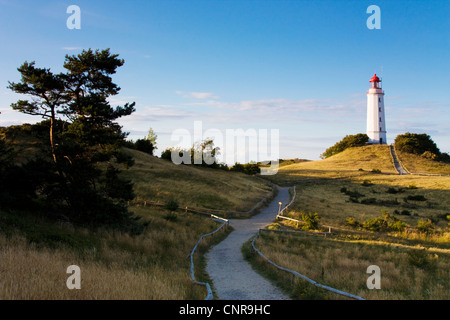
144	145
420	144
151	137
203	153
248	168
385	222
80	177
171	204
352	222
393	190
425	226
369	201
311	221
348	141
417	197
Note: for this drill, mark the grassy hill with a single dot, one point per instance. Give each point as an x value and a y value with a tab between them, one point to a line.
115	265
351	162
418	164
349	192
193	186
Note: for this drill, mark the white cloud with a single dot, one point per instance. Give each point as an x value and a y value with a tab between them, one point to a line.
71	48
197	95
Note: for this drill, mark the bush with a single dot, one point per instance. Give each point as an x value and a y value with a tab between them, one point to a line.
348	141
369	201
420	144
311	221
171	204
418	197
352	222
403	212
425	226
144	145
385	222
394	190
248	168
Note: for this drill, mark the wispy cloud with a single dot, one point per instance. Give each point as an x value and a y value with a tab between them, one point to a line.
71	48
197	95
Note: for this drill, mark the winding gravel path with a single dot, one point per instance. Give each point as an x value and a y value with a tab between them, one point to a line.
232	276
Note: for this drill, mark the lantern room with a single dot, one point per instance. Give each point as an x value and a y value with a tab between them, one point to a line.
376	82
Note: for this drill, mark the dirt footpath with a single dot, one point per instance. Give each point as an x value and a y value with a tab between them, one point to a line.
233	277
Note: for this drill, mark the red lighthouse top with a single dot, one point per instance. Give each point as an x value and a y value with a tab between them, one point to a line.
375	78
376	82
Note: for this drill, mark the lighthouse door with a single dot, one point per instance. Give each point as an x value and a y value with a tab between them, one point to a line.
381	140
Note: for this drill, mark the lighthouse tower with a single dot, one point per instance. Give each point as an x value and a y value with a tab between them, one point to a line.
376	125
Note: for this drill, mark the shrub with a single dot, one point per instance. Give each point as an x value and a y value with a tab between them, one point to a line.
385	222
352	222
144	145
392	190
418	197
311	221
425	226
171	204
248	168
402	213
369	201
348	141
420	144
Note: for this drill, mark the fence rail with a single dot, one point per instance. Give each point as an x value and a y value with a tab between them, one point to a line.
207	212
295	273
209	293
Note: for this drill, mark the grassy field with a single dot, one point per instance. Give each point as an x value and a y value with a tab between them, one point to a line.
35	252
408	271
414	262
159	180
417	164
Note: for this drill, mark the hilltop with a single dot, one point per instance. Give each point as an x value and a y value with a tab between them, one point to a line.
354	162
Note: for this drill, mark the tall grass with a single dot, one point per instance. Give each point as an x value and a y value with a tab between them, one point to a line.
153	265
407	272
159	180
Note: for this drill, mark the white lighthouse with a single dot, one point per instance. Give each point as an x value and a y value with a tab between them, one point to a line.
376	125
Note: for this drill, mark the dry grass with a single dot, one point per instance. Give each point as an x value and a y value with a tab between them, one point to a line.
414	265
158	180
352	162
113	265
407	272
333	206
417	164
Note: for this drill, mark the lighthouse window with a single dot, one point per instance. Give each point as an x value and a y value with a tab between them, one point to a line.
380	119
379	109
379	99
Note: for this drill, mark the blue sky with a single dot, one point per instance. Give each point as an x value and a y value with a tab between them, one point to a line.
301	67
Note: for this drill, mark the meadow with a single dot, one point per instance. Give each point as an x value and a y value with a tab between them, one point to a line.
350	197
35	251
